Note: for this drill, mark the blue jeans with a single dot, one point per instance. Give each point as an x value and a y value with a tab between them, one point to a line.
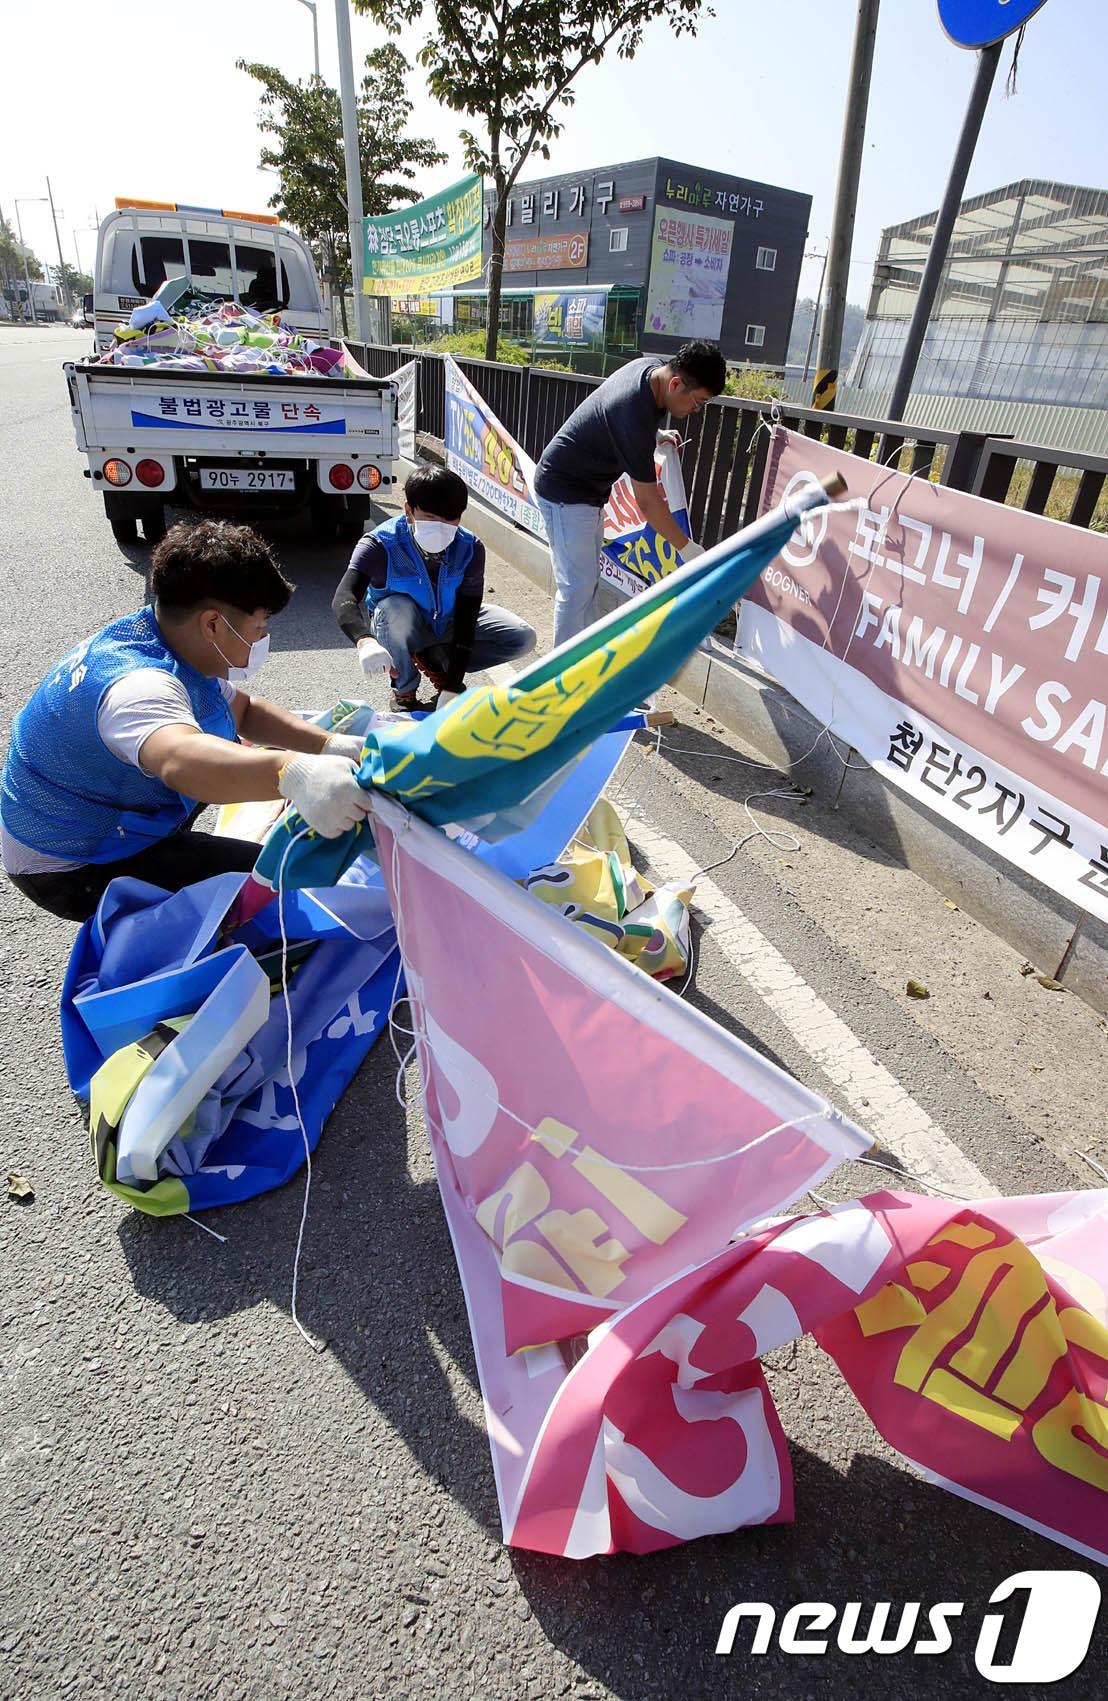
400	625
576	534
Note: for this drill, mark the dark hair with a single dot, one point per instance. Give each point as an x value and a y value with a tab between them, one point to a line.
701	365
437	491
212	561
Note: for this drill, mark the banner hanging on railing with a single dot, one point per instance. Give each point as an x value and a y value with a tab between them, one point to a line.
427	247
958	645
493	464
406	379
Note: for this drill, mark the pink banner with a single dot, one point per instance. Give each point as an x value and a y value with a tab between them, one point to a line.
959	645
608	1159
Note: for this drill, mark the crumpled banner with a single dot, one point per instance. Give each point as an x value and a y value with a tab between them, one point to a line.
174	1025
595	884
225	337
614	1181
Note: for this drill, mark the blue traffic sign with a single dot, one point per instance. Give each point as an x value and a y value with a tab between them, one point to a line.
979	23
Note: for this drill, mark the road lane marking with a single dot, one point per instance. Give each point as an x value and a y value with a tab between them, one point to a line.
874	1095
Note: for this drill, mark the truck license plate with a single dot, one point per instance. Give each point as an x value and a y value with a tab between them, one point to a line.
247	478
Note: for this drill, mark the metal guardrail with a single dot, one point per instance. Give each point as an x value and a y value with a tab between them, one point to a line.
727	443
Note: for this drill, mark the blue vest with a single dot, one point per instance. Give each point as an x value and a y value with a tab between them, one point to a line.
408	573
63	791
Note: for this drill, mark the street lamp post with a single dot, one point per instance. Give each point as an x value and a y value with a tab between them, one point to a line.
315	30
26	201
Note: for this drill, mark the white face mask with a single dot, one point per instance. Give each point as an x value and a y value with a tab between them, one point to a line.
434	535
259	650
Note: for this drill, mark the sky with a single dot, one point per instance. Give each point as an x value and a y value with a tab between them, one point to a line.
142	101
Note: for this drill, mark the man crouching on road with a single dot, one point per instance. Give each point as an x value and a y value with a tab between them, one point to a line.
131	733
415	586
613	432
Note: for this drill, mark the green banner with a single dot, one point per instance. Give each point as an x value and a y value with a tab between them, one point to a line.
430	246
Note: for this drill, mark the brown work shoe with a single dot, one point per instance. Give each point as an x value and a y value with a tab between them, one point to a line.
408	702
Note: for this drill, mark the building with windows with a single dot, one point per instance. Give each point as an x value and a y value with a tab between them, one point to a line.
1021	312
599	264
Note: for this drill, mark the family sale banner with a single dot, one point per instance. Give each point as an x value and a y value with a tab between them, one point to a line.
958	645
494	465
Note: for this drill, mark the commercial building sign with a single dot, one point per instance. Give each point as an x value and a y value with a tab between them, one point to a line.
555	253
689	264
632	203
428	247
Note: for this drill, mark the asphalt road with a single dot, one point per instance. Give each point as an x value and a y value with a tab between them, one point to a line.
194	1504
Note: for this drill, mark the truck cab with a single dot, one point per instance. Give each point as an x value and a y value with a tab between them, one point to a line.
225	256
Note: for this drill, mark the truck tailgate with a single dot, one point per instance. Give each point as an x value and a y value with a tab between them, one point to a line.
219	413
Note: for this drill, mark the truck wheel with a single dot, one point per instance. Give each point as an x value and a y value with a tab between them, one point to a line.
153	525
325	521
124	528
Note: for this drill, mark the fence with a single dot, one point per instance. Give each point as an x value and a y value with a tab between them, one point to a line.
727	444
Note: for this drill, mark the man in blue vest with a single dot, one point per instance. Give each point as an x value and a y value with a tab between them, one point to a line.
415	587
131	733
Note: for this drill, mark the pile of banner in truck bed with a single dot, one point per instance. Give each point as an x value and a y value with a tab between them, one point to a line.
223	337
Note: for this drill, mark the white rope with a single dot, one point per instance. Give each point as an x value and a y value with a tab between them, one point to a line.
316	1345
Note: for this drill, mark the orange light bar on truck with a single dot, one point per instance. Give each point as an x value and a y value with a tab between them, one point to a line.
127	203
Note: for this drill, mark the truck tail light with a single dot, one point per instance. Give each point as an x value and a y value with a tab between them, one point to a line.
117	472
369	477
342	477
150	473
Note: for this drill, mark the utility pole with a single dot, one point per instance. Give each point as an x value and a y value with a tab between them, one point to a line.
987	62
846	202
26	268
815	315
355	220
61	262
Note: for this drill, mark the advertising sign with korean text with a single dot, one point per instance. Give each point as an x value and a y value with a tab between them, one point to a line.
568	253
481	451
959	646
493	464
689	262
570	319
430	246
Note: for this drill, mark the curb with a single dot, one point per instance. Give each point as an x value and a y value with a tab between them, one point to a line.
1057	937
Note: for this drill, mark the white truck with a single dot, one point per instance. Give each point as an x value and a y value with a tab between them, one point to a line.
242	445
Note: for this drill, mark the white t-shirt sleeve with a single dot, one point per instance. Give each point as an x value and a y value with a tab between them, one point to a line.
141	702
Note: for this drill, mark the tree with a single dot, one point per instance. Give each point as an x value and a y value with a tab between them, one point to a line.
306	120
511	63
79	283
12	282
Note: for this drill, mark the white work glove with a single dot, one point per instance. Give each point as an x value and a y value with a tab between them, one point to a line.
346	744
673	437
691	550
325	791
373	658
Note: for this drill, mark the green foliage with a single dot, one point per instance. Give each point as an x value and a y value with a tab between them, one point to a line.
754	384
306	121
11	259
512	65
472	344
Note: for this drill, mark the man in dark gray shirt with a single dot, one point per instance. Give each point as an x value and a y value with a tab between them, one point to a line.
614	432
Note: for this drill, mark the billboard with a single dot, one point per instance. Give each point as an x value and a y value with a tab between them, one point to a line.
689	262
430	246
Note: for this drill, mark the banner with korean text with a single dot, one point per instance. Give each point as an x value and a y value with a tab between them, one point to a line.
614	1182
959	646
427	247
494	465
